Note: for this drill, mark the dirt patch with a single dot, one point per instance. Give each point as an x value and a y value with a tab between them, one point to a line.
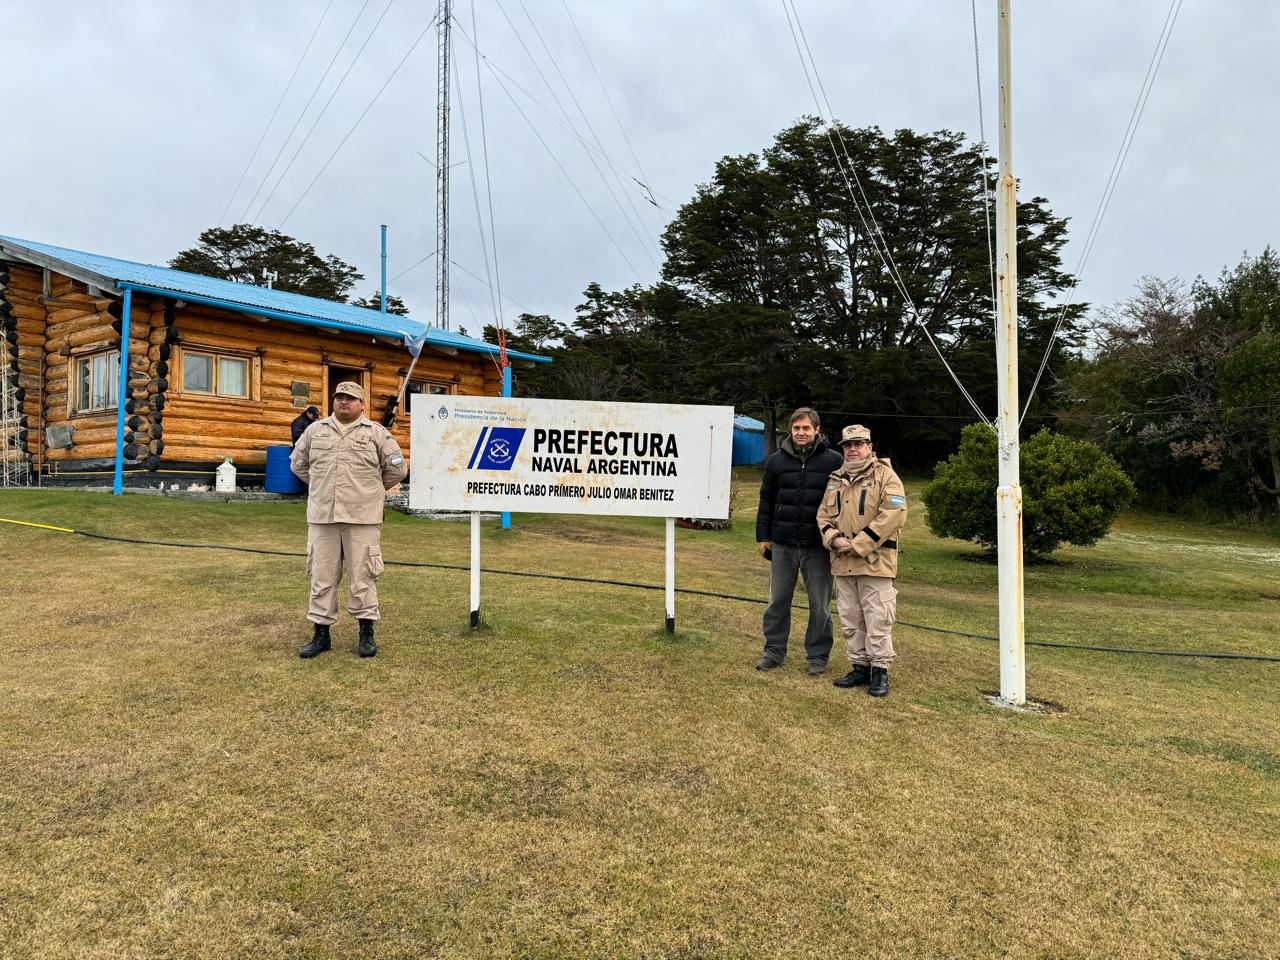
580	536
1033	705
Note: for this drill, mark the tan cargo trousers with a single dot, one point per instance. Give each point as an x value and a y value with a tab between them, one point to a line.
327	545
868	607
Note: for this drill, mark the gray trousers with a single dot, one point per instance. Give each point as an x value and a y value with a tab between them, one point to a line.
814	563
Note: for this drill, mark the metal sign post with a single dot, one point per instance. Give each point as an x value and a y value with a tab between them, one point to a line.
475	569
506	392
671	574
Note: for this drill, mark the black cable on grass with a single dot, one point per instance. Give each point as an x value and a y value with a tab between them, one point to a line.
636	585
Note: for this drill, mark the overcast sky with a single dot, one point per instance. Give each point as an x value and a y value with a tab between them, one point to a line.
128	124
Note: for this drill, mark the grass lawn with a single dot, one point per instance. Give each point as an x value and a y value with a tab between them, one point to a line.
571	781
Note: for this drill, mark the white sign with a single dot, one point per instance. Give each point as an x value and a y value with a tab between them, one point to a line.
570	456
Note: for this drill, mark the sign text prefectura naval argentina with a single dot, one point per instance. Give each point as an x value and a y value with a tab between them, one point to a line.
494	453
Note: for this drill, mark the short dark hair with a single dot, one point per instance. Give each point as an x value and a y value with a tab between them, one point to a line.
806	413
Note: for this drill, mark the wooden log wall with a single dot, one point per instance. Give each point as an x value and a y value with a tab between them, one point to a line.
22	319
203	428
79	324
169	427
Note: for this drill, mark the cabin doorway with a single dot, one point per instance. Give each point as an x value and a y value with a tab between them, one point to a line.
335	375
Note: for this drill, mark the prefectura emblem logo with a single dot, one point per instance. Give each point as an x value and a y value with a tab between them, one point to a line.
496	448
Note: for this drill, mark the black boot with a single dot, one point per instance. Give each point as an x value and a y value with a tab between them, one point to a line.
879	682
367	647
319	642
859	676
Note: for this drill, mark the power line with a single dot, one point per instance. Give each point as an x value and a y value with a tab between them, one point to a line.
279	103
475	197
1113	178
369	106
556	160
413	266
638	585
874	233
496	293
556	99
637	232
323	110
472	310
982	143
498	71
303	112
504	296
609	100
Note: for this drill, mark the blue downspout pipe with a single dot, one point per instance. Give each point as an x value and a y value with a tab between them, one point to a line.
117	485
384	268
506	392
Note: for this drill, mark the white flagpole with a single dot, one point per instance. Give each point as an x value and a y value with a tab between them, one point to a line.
1013	671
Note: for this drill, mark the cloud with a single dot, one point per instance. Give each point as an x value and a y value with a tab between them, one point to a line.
128	125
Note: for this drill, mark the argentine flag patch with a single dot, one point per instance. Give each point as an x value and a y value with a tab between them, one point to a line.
896	501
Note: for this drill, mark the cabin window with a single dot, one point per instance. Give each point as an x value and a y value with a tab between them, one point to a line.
96	382
215	374
430	387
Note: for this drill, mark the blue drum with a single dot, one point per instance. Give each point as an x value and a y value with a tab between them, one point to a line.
280	477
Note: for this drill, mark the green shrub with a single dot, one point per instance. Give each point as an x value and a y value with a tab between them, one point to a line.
1071	491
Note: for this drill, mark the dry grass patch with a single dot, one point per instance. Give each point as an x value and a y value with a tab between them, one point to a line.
570	781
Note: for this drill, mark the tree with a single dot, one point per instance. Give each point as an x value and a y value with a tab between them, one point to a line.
374	302
537	333
1250	381
1071	491
1176	388
781	231
242	252
774	294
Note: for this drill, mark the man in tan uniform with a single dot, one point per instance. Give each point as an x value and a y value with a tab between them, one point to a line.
861	513
349	464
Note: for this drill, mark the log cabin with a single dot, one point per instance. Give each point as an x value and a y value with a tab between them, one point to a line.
210	368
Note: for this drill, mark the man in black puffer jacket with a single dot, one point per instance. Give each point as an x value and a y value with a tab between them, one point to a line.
795	480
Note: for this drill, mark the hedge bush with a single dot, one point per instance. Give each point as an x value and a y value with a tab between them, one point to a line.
1071	491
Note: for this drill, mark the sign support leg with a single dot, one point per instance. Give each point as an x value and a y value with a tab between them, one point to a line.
506	392
475	570
671	574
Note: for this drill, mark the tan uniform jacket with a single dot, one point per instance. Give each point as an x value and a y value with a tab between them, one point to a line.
349	474
866	504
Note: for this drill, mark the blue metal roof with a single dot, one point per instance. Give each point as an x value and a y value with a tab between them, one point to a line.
249	298
750	424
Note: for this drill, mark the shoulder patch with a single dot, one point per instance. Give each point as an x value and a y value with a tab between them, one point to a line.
897	501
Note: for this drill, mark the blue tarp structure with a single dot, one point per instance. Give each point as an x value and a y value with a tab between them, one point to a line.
748	440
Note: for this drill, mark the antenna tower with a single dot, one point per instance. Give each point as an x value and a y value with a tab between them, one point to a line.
442	168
